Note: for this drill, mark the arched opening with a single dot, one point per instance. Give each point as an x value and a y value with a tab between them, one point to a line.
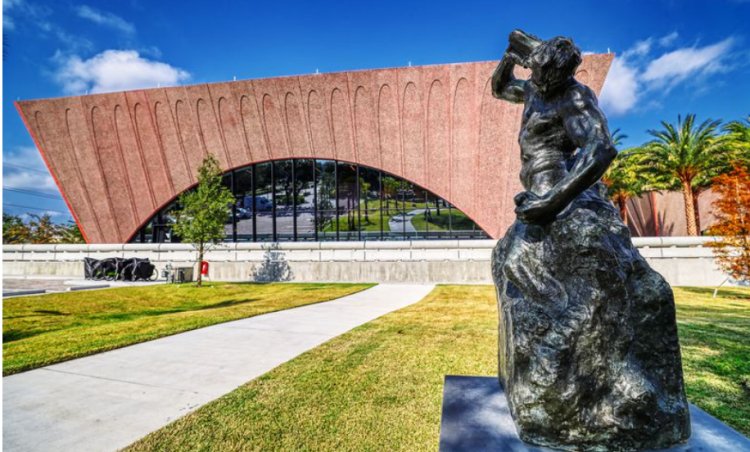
324	200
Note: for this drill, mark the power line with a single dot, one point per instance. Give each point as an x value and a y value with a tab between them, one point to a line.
40	194
13	165
18	206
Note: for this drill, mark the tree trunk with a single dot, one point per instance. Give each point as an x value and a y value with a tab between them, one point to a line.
622	203
200	264
687	195
696	195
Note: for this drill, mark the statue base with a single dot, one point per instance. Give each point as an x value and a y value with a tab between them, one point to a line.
476	417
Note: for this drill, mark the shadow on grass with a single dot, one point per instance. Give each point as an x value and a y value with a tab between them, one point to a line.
12	336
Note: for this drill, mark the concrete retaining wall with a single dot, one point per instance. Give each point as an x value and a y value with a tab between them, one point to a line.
682	260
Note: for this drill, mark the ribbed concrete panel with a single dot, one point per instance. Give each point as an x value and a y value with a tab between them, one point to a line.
153	156
89	161
294	118
229	122
464	143
341	120
389	132
437	126
53	139
365	126
187	130
208	123
412	132
320	125
113	167
143	195
271	117
252	126
438	140
174	154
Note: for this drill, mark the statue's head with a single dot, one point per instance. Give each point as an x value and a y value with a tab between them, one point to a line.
553	62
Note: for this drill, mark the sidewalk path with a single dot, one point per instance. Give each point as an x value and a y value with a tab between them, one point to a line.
106	401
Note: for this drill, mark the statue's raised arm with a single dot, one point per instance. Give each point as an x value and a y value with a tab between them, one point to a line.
505	85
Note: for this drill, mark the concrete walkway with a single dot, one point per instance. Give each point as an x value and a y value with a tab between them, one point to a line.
105	402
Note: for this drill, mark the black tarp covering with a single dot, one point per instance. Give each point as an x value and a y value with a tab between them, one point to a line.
118	269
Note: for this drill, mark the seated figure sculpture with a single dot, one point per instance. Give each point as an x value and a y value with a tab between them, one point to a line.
588	351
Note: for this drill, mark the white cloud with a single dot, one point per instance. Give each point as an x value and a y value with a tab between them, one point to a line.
25	169
639	49
114	70
637	72
666	41
676	66
105	18
620	91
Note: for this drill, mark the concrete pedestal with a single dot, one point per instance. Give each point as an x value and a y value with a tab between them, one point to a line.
476	418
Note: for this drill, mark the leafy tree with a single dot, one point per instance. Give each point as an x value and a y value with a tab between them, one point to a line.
42	230
39	229
621	178
204	210
623	181
69	233
364	190
732	211
686	157
390	190
15	231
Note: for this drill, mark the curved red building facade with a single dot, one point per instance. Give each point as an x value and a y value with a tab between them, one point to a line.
120	157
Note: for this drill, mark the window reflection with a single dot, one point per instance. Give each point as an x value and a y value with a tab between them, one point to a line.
348	211
244	212
304	186
263	202
307	199
370	221
326	200
284	197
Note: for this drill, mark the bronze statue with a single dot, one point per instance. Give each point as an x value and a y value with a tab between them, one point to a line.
588	352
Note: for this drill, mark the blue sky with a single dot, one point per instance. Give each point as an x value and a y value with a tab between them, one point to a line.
673	57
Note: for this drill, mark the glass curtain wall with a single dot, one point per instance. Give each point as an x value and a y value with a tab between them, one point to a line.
319	200
304	195
264	203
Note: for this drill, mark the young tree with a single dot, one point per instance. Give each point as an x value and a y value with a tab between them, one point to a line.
204	210
732	211
687	157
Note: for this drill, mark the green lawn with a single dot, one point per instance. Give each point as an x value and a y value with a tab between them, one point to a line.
715	340
442	222
372	222
379	386
51	328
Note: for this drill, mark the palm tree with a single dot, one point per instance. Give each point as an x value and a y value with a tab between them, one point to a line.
686	157
738	137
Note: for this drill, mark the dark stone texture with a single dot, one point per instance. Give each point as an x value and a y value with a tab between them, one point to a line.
476	417
588	351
